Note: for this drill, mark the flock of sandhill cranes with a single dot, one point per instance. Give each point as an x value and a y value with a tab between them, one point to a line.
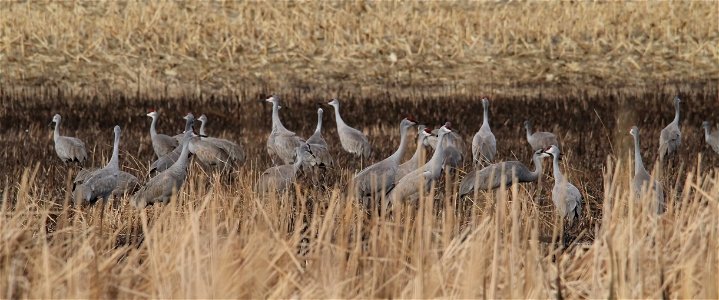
389	179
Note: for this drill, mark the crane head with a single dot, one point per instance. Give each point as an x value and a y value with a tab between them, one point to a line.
334	102
56	118
116	129
634	131
552	151
152	113
202	118
705	124
485	101
274	99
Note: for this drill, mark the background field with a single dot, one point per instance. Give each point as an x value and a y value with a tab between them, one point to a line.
586	71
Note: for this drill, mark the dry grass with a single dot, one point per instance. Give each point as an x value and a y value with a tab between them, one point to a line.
364	47
219	240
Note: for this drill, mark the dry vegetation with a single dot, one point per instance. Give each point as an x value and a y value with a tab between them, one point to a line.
220	240
366	47
584	70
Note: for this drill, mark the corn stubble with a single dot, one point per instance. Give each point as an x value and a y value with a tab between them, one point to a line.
218	239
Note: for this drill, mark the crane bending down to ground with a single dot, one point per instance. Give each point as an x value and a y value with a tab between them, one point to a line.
161	187
167	160
712	138
642	181
280	178
235	152
670	138
379	178
352	140
68	149
409	187
484	145
540	140
161	143
566	197
417	159
281	143
319	146
101	183
492	176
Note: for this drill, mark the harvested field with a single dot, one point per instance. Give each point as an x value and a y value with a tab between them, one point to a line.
586	71
219	239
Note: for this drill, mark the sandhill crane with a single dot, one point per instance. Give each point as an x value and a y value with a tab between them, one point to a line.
281	143
417	159
161	187
540	140
68	149
453	147
712	138
566	197
379	178
161	143
126	182
490	177
208	154
352	140
234	150
318	145
484	145
642	181
434	165
101	183
166	161
280	178
671	137
409	190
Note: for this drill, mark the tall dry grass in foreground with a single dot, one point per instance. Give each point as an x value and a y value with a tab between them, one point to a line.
362	46
215	241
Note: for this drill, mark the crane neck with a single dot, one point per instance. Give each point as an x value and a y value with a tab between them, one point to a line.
181	162
338	118
153	130
707	134
276	123
56	132
638	163
676	113
437	160
115	159
558	177
420	148
202	129
537	160
318	129
529	131
397	155
485	119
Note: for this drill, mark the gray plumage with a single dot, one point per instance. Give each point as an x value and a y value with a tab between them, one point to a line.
352	140
281	143
161	187
540	140
484	144
99	184
380	177
166	161
712	138
671	136
566	197
409	188
318	145
642	181
434	165
281	178
161	143
418	158
235	151
491	177
126	182
453	147
68	149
